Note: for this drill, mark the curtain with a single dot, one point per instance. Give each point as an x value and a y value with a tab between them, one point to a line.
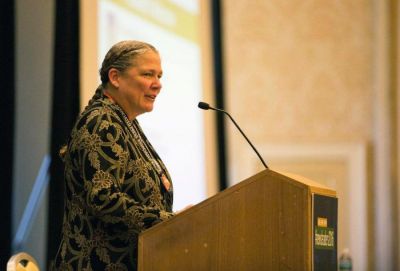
65	109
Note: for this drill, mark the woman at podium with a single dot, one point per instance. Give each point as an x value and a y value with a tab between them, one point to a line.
116	184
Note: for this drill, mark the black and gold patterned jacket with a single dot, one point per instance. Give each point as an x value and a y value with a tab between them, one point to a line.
112	192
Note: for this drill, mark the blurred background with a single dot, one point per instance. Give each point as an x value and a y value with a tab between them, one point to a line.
313	83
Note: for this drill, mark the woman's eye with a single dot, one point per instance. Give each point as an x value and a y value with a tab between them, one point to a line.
152	74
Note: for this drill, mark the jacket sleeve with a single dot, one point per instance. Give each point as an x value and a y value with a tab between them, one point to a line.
102	151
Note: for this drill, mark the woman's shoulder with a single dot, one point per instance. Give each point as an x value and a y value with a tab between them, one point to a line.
98	123
100	110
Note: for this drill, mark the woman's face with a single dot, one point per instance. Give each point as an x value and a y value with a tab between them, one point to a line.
140	84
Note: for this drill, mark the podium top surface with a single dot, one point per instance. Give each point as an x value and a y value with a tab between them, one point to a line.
295	179
314	186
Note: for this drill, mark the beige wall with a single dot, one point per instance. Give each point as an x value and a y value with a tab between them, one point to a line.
306	64
313	76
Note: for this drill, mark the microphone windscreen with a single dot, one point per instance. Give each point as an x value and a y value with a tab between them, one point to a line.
204	105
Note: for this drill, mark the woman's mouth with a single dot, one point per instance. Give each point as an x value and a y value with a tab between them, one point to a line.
151	97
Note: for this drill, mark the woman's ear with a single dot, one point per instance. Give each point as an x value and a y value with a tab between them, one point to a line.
113	77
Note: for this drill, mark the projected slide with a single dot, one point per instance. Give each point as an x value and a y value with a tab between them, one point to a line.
175	127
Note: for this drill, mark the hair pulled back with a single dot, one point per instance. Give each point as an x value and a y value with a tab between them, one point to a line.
121	56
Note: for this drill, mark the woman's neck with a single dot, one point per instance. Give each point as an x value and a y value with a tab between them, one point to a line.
113	96
108	95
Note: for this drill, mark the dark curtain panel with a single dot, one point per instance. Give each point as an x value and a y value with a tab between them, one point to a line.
219	90
7	77
65	109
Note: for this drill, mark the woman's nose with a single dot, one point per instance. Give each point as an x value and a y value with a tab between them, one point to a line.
157	84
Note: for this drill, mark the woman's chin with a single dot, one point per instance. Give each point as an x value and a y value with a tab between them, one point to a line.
149	106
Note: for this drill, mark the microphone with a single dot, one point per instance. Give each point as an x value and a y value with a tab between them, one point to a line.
206	106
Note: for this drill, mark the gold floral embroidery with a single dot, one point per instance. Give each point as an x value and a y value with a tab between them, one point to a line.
94	160
75	208
117	149
139	168
101	180
113	196
149	184
63	250
116	267
99	237
104	125
92	142
93	114
103	254
155	199
65	267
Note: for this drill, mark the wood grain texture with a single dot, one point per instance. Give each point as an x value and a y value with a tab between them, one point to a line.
262	223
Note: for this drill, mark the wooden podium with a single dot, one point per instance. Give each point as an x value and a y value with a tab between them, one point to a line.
269	221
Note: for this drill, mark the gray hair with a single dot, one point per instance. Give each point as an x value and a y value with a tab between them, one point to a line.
121	56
